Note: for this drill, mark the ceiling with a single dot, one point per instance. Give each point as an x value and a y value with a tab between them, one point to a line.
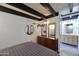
38	7
58	7
35	11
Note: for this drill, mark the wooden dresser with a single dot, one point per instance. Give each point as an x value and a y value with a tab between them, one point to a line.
47	42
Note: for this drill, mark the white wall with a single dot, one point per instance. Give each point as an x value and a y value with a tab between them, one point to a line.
57	21
12	30
65	11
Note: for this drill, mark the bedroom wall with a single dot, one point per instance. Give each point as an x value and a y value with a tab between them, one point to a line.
12	30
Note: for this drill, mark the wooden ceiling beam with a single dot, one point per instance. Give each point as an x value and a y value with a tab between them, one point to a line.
4	9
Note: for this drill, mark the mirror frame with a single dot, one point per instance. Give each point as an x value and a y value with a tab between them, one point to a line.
44	30
29	29
67	29
53	36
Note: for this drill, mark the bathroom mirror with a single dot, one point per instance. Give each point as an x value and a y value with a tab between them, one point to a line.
69	28
43	30
52	30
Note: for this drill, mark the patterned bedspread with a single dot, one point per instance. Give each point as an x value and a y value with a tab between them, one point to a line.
27	49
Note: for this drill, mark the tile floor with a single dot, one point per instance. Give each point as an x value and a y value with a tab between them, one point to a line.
67	50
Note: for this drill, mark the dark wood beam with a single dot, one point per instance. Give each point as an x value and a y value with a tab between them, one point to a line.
27	9
4	9
48	7
30	10
51	16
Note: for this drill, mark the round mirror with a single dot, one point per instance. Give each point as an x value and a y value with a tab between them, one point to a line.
30	29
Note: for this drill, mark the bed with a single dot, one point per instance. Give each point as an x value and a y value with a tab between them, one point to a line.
27	49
